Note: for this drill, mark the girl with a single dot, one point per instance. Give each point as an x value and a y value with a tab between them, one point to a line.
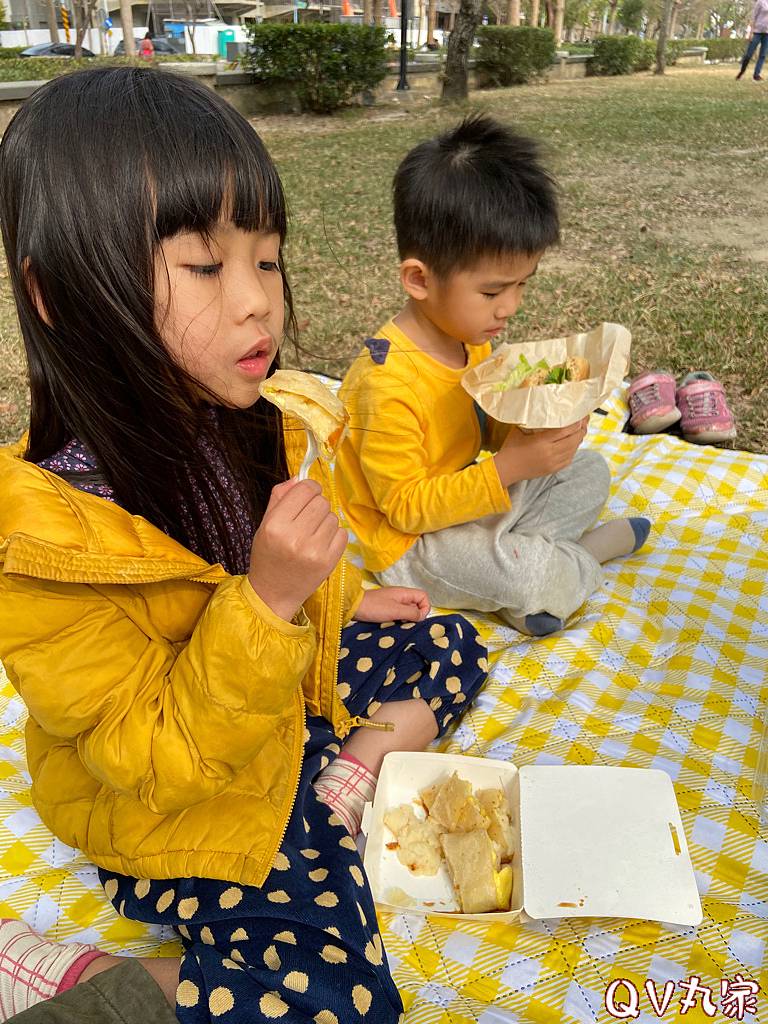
147	47
175	608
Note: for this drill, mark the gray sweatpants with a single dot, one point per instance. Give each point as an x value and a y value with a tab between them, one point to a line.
522	562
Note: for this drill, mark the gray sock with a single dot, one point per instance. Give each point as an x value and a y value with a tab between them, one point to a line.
541	624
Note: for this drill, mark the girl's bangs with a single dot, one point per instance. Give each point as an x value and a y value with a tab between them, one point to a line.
218	171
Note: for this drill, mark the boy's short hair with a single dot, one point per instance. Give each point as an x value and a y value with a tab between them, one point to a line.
478	190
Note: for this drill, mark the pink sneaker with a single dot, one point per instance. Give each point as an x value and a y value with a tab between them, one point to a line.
652	403
706	418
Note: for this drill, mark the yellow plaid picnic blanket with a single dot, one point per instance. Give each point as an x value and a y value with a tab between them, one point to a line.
665	668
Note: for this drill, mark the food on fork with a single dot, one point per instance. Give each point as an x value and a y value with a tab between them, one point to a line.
305	397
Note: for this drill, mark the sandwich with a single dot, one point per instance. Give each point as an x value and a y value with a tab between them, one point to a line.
524	375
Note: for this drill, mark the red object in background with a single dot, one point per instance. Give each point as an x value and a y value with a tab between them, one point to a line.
346	8
392	9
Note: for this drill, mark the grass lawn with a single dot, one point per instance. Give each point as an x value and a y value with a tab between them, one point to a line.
665	216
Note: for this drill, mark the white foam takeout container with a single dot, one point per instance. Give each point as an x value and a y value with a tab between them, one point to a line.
591	841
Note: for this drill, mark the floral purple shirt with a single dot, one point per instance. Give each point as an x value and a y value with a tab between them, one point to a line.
78	466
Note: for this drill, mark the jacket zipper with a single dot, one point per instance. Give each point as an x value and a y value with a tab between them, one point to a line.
296	778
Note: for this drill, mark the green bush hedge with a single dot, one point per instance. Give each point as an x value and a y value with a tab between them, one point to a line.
725	49
512	56
675	49
615	55
645	58
646	53
10	52
326	64
33	69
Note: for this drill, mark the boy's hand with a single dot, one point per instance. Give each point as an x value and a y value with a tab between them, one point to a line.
527	456
393	604
297	546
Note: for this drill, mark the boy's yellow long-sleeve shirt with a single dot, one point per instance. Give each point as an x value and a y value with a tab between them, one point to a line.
408	466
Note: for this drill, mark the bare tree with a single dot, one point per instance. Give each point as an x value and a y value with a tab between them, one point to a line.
192	8
367	12
535	13
456	76
83	13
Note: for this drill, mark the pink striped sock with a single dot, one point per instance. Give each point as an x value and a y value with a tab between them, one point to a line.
346	786
32	969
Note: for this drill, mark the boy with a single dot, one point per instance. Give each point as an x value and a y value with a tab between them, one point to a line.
474	212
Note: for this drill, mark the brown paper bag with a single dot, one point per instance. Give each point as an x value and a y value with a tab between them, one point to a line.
552	405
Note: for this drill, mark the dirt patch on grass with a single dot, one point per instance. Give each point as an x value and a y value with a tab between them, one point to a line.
748	234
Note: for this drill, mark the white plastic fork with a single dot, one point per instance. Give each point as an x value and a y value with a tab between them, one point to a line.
311	454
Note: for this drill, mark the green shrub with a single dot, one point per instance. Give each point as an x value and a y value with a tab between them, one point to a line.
615	55
646	53
32	69
325	64
645	58
725	49
579	48
512	56
675	49
10	52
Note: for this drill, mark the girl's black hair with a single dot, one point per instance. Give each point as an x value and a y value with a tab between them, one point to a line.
475	191
96	169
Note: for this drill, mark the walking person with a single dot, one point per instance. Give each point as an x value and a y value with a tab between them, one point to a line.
759	26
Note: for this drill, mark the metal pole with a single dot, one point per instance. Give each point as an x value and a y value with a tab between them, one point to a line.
402	84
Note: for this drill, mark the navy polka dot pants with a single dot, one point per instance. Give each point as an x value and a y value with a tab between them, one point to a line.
305	947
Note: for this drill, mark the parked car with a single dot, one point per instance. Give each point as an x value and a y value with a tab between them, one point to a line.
160	44
54	50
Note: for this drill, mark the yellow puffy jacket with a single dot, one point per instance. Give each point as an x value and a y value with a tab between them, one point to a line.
166	700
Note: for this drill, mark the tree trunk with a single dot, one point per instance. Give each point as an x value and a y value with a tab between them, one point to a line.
126	19
700	28
431	22
559	15
535	13
673	18
612	22
80	24
378	12
53	28
192	17
367	12
661	46
513	12
456	76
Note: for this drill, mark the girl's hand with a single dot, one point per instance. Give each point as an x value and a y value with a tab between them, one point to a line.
393	604
296	547
527	456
